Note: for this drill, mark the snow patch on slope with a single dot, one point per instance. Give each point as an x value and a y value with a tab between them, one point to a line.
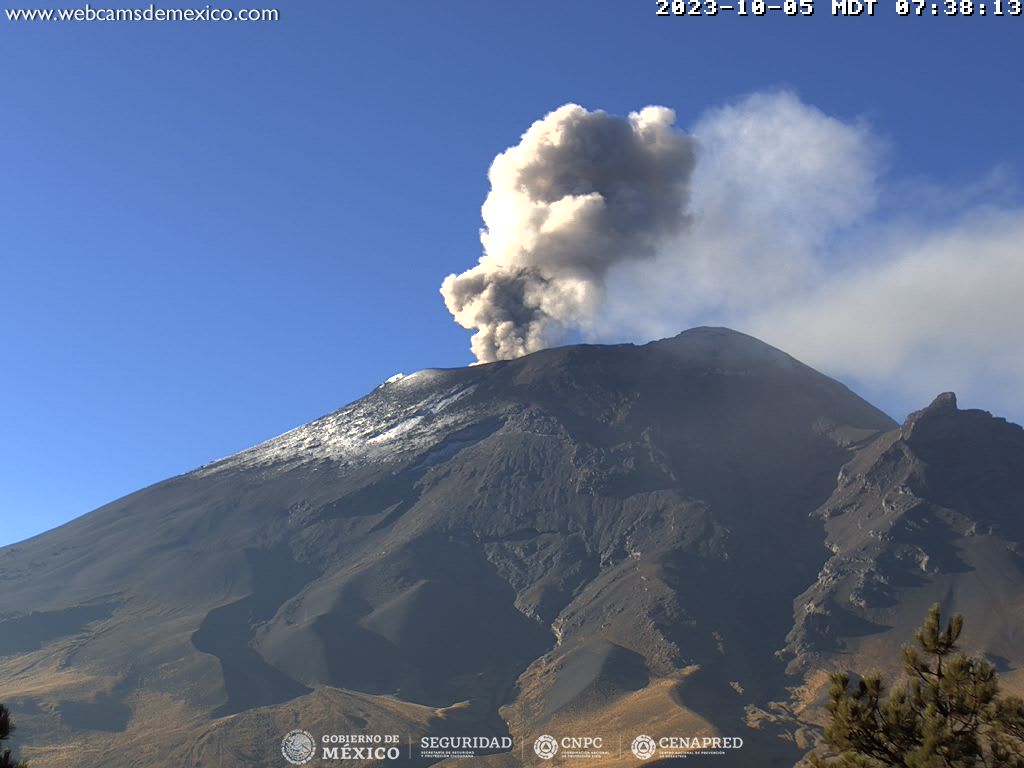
404	414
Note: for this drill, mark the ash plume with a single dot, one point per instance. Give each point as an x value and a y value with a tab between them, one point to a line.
582	192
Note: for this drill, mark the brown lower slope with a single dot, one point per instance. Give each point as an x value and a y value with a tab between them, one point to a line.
586	538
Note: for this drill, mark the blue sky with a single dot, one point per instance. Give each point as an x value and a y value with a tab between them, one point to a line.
212	233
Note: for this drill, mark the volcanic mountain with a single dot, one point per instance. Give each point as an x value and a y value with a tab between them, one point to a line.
669	539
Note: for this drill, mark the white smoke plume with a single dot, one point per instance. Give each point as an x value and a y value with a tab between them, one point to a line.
776	183
769	217
797	236
582	192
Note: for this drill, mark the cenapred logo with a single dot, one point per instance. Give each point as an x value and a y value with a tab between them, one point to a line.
298	747
546	747
643	747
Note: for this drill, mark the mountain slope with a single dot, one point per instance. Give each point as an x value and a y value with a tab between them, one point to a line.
585	537
931	512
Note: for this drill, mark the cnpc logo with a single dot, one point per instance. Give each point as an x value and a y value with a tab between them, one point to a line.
546	747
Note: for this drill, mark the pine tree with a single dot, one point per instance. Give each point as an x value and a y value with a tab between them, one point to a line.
6	729
946	713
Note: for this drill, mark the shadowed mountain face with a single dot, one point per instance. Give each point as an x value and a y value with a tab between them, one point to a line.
610	538
931	512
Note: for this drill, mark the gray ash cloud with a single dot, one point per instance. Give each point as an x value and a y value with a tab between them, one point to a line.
581	192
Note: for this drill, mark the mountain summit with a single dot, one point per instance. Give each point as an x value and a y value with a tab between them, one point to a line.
591	538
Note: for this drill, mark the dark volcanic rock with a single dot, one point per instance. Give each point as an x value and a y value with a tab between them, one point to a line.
589	534
930	512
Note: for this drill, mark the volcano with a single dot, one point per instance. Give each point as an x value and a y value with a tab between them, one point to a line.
677	539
